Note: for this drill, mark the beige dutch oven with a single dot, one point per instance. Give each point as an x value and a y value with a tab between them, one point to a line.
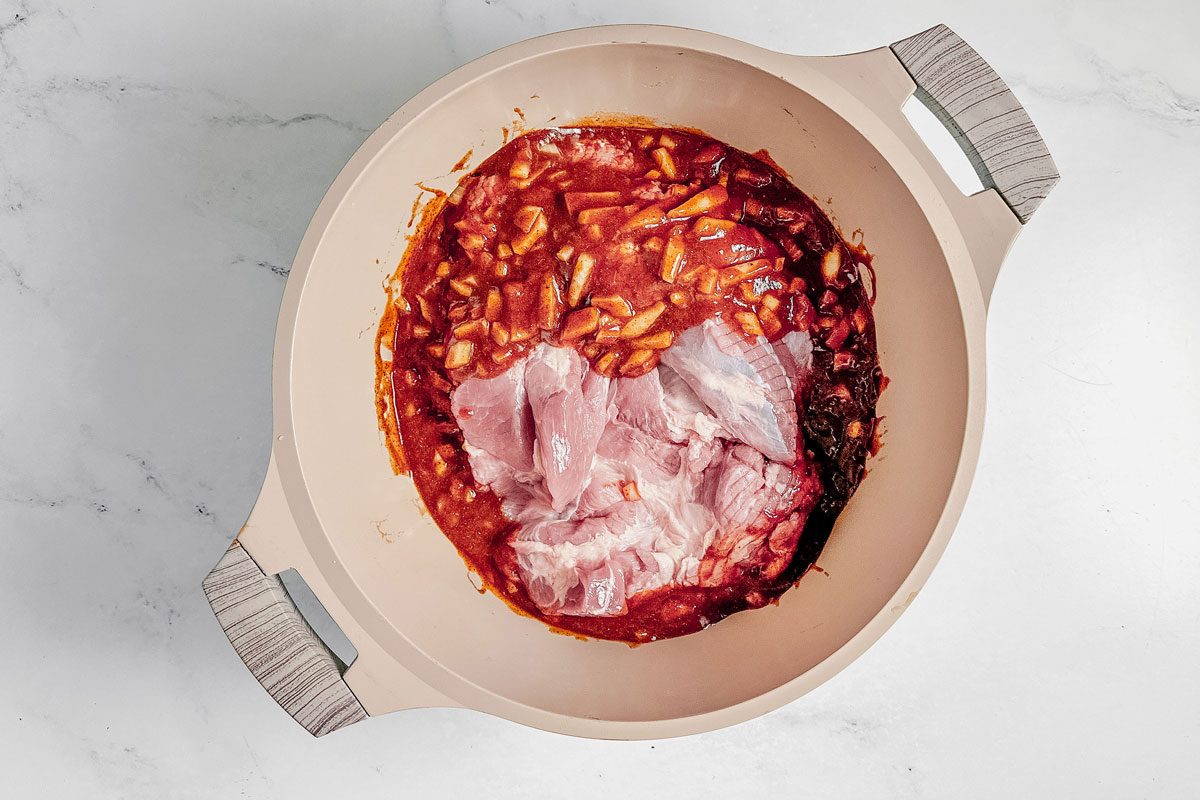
333	509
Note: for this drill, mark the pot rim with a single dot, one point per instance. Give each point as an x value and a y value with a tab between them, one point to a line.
920	173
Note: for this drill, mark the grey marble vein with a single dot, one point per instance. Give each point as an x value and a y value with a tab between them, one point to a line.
266	119
1138	92
15	18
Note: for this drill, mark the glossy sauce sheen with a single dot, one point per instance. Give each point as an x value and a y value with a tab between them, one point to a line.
497	271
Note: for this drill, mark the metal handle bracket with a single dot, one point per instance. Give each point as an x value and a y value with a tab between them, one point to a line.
278	646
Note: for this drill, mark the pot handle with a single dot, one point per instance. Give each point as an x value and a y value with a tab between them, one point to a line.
277	645
983	114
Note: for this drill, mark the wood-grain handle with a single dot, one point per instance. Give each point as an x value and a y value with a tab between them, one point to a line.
983	115
278	646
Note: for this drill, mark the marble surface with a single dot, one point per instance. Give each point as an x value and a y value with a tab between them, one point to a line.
158	165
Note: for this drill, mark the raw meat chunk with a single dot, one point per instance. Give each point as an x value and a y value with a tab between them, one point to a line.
496	420
623	486
743	383
750	495
570	409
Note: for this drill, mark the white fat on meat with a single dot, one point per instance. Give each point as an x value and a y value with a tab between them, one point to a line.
661	404
685	414
744	384
489	190
558	443
597	154
795	352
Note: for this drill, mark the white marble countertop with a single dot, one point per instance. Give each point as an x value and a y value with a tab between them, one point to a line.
158	165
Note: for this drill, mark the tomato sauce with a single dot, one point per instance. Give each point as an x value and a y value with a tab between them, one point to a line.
613	240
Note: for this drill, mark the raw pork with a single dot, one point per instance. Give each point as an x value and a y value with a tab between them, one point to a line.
570	409
687	475
744	383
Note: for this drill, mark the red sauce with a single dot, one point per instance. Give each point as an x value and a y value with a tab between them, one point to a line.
571	235
462	162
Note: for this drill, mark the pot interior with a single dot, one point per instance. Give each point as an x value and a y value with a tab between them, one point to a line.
402	564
